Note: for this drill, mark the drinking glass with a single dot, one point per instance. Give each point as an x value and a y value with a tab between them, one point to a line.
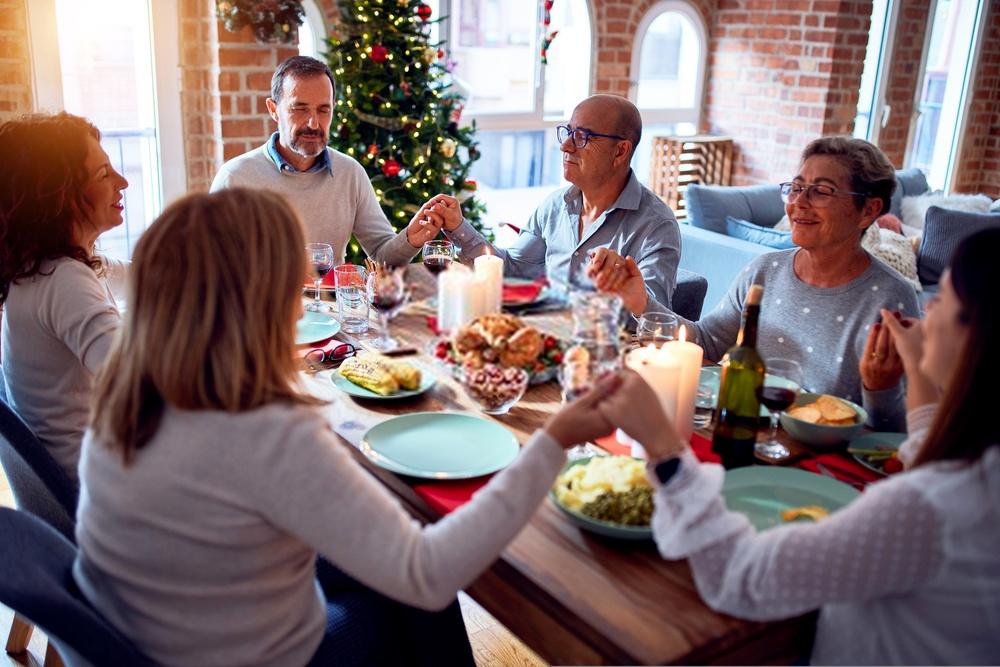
438	256
656	328
781	385
352	299
705	398
321	259
386	294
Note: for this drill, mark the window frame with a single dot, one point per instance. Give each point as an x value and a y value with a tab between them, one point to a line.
881	111
671	115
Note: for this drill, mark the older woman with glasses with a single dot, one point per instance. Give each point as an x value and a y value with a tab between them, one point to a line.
822	299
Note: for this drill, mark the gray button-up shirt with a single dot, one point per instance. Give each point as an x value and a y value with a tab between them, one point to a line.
637	224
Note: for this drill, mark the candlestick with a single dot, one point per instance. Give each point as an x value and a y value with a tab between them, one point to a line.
662	373
689	357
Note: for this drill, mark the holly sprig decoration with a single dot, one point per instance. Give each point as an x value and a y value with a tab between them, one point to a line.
270	20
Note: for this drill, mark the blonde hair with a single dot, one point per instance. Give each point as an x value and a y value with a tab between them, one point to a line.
212	301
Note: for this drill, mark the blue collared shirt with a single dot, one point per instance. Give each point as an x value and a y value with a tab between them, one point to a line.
322	160
637	224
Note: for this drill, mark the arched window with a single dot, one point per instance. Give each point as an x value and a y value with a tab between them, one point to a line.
312	32
668	66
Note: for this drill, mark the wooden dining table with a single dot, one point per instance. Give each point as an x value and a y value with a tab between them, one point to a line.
572	596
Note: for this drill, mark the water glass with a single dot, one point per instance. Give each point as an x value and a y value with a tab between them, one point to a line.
352	298
656	328
705	397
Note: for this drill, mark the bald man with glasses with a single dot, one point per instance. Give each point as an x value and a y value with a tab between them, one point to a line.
606	221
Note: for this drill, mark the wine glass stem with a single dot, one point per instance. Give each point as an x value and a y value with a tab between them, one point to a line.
775	414
383	319
318	281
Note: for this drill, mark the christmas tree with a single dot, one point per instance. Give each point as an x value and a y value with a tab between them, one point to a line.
397	111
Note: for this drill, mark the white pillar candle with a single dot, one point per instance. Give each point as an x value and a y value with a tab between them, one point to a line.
455	297
662	373
689	357
489	269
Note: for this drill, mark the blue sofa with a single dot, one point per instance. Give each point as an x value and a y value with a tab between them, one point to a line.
708	250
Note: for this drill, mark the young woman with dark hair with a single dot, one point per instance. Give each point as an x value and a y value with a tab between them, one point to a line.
908	573
58	193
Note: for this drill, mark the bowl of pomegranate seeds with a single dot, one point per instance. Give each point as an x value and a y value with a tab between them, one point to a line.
494	388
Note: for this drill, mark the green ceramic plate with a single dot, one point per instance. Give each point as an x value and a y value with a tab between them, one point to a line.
315	327
440	445
889	442
607	528
710	378
427	380
763	492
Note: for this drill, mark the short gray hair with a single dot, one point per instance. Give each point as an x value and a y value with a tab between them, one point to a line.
301	67
867	166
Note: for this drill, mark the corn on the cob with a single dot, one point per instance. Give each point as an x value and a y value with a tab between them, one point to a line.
406	375
370	374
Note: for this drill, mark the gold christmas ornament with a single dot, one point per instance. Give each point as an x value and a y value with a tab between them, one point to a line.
448	148
430	54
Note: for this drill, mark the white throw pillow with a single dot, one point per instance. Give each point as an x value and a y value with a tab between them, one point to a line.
995	206
895	250
784	225
915	208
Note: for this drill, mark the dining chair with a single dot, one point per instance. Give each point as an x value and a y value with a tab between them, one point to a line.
689	295
40	486
36	581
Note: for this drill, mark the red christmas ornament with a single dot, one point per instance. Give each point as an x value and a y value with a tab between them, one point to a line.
372	149
379	53
391	168
424	11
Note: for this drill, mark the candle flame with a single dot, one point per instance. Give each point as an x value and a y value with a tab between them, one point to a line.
682	334
487	251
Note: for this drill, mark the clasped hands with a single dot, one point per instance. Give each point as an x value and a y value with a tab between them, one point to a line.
619	400
619	275
439	212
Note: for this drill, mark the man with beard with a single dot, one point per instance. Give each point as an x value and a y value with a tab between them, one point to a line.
330	191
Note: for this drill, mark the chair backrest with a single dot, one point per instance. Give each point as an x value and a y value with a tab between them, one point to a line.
36	581
39	483
689	295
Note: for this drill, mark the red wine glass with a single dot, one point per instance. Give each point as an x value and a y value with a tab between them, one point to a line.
438	256
781	386
386	294
321	260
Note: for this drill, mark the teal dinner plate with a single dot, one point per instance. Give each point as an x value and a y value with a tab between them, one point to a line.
440	445
710	377
606	528
762	493
427	380
315	327
877	441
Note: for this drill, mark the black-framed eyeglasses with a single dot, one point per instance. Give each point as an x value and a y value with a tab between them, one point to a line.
581	136
818	194
317	359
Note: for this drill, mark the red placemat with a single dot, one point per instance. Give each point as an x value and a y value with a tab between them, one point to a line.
518	293
843	468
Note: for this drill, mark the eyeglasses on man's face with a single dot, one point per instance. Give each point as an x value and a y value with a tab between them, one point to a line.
581	135
317	359
817	194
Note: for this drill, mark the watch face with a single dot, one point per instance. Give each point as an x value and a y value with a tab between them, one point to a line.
666	469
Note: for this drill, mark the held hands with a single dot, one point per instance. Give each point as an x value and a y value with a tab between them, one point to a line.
881	366
618	275
441	212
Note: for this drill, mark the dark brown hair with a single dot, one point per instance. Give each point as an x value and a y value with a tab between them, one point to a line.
867	166
300	67
965	426
41	192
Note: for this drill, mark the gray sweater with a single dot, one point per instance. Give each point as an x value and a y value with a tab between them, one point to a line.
824	329
332	204
202	551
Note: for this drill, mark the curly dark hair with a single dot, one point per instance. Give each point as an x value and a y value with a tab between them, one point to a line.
41	190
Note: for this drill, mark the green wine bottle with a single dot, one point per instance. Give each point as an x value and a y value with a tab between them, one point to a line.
737	414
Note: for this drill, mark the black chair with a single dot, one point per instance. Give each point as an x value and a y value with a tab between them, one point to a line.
40	486
689	295
36	581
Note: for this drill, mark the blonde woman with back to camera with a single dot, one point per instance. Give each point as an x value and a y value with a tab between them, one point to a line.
210	483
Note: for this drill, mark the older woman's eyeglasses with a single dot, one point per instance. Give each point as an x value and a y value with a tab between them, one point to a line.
581	136
818	194
317	359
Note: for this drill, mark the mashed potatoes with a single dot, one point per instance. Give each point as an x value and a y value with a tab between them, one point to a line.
583	483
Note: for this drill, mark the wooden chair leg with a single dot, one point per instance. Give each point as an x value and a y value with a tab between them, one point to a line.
52	657
20	635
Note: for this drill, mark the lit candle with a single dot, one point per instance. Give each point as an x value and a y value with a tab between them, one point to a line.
661	371
688	356
489	269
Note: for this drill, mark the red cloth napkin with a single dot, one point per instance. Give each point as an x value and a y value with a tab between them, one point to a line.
516	293
700	445
843	468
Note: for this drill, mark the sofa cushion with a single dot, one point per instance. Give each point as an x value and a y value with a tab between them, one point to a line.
944	229
915	208
909	183
748	231
708	205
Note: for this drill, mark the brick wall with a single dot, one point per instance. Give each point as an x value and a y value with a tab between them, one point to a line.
200	104
904	77
978	165
15	66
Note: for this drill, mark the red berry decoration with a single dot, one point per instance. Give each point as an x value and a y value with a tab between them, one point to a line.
379	53
424	11
391	168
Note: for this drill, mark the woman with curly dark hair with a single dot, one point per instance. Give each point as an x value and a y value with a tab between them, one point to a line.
58	193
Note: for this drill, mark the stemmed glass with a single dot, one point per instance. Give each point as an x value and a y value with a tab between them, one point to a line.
386	294
781	386
321	259
438	256
656	328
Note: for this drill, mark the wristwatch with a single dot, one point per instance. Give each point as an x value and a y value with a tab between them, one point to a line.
666	469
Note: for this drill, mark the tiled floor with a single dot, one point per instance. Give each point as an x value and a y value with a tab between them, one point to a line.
492	644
